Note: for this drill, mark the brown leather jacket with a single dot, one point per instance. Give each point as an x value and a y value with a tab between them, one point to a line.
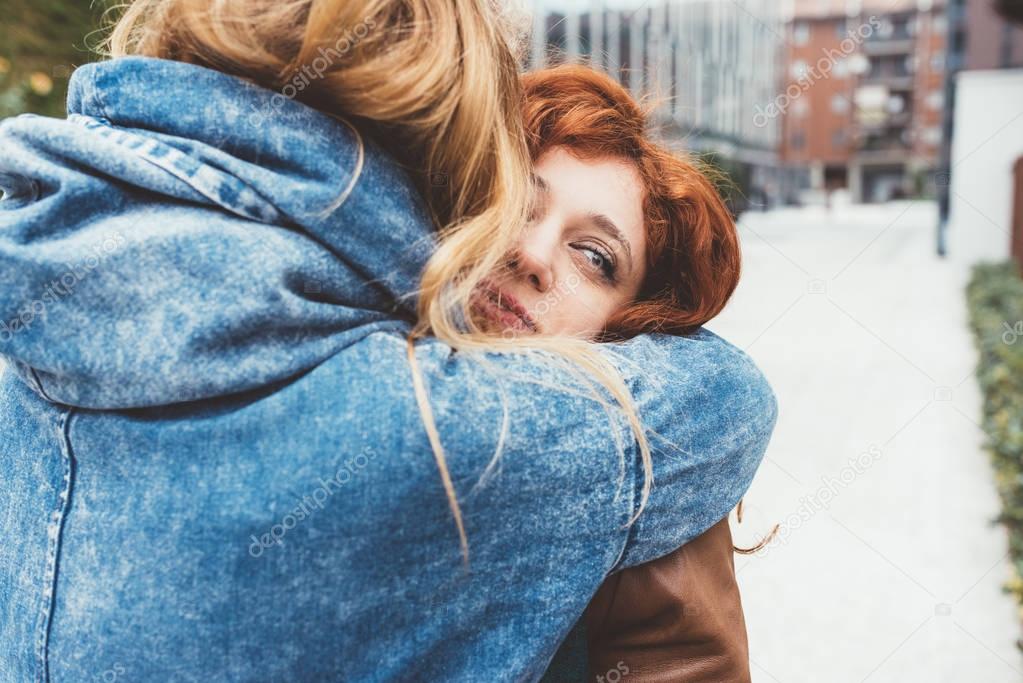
678	618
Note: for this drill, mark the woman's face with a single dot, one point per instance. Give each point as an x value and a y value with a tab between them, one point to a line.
581	258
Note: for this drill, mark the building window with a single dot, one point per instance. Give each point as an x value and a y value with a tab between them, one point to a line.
840	29
935	100
800	33
799	69
797	140
838	138
932	136
938	61
939	24
840	68
800	108
839	104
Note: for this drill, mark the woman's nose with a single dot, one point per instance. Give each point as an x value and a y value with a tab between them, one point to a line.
535	268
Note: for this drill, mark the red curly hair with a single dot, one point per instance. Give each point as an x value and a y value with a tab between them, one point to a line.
693	257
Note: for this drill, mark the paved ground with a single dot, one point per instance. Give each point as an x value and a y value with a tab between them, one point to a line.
889	568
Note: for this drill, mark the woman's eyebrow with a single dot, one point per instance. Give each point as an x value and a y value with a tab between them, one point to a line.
541	184
606	225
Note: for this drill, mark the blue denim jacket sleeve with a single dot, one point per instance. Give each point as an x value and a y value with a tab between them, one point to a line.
710	414
185	235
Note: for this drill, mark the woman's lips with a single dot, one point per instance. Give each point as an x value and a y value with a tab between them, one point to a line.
503	309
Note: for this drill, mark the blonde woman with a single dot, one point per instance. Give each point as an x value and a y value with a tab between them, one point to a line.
222	454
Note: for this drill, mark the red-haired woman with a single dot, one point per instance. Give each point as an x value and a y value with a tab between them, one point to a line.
633	236
626	237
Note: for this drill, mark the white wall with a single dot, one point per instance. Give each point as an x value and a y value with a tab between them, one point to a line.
986	141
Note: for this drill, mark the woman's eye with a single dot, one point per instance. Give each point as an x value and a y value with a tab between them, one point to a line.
599	262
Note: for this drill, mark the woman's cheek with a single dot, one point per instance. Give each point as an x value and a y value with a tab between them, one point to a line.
586	314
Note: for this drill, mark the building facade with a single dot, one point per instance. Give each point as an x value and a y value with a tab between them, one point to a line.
863	104
997	43
985	55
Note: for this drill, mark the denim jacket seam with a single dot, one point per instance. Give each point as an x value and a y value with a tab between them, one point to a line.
96	93
631	454
54	528
205	179
38	382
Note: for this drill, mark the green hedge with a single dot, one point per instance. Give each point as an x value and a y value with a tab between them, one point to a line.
995	299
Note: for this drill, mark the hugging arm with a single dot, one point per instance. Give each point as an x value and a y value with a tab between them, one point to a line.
671	611
708	411
223	275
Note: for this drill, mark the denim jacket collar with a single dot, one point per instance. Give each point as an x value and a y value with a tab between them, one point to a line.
301	160
227	226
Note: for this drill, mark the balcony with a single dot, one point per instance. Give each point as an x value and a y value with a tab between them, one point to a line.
880	123
891	46
890	145
883	144
889	70
894	81
892	36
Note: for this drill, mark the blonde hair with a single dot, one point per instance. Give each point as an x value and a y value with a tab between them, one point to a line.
439	80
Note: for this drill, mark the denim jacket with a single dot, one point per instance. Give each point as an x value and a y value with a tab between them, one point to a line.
212	464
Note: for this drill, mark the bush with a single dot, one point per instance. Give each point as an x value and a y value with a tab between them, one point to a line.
995	300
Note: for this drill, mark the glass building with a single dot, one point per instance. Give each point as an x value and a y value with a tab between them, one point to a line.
707	65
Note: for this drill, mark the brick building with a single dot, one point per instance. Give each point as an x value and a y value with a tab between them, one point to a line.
863	97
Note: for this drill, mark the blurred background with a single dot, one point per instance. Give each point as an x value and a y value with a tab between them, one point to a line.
872	151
